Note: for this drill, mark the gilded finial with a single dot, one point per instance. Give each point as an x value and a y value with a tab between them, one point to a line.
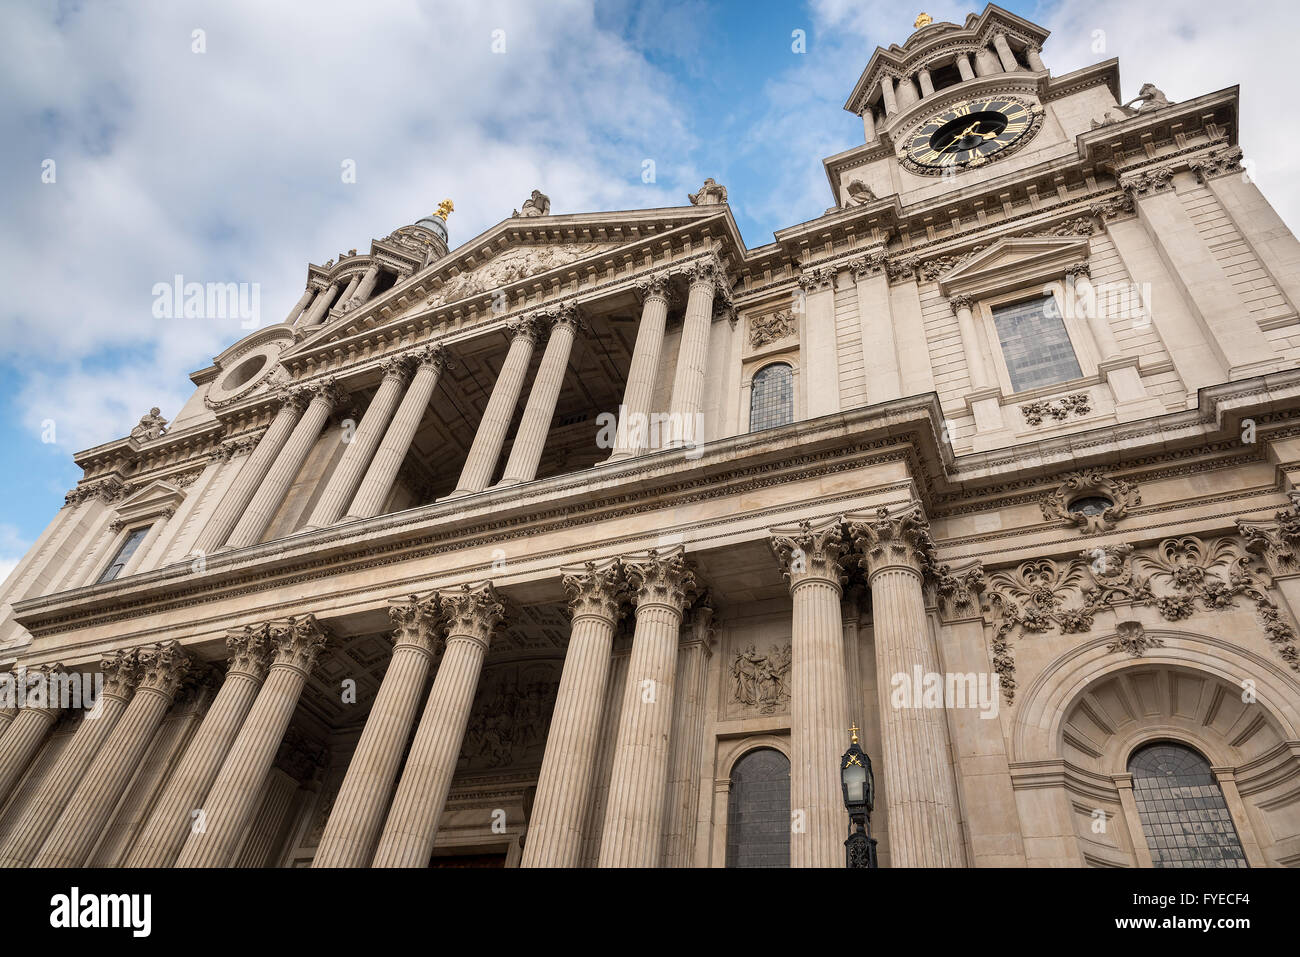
854	731
924	20
445	209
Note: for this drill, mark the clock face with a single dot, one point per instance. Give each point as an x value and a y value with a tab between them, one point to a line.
969	134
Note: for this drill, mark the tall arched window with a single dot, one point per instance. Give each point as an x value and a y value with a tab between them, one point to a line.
758	811
771	397
1184	817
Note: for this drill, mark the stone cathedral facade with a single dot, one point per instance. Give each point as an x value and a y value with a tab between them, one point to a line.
586	542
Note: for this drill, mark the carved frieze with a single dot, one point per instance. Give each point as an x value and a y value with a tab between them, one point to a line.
512	714
761	682
771	327
1077	404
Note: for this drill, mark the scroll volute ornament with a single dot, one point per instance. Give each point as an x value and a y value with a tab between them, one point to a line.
163	666
473	612
596	591
811	554
417	623
1092	483
662	579
298	642
250	651
895	539
121	672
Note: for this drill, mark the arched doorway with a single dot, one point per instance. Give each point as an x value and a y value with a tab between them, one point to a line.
1184	817
758	810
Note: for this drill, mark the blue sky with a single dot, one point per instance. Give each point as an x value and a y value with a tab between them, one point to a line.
224	164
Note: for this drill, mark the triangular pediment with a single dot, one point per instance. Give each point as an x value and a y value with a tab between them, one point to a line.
1010	262
152	499
541	252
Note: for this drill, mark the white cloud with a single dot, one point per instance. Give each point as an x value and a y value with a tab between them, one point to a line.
225	165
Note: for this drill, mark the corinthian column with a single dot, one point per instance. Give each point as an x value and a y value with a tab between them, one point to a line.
357	455
270	494
318	307
174	814
663	584
491	434
472	616
388	459
920	792
299	306
810	562
634	415
250	477
693	351
121	670
226	809
530	440
358	812
554	836
27	731
162	669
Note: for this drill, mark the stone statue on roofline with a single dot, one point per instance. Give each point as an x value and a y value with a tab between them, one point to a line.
710	194
538	204
151	426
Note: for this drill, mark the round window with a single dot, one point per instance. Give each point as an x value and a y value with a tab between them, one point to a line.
243	372
1090	505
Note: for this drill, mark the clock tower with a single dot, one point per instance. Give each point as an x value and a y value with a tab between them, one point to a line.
956	104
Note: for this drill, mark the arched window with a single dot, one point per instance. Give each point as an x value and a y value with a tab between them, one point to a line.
1184	817
771	397
758	811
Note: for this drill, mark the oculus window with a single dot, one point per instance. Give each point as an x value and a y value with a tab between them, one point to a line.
123	555
1035	345
1184	817
771	398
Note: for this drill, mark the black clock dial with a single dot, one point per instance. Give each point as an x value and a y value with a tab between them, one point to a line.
969	134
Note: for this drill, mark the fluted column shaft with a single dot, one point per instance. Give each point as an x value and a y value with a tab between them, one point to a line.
917	769
358	454
1005	55
82	822
970	341
270	494
412	825
491	434
920	789
7	716
634	432
174	813
810	559
887	95
634	809
530	440
358	812
318	307
564	786
693	353
638	781
235	792
348	292
299	306
47	804
250	477
365	287
388	458
20	743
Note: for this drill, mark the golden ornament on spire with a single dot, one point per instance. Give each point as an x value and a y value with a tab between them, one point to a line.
854	731
445	209
924	20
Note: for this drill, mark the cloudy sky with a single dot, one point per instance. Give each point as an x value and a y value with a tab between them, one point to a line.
219	155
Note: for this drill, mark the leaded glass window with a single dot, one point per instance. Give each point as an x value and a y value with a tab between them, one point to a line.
1035	344
758	811
123	555
771	400
1184	817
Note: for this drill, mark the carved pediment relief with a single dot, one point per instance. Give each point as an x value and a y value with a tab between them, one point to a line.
1015	262
511	266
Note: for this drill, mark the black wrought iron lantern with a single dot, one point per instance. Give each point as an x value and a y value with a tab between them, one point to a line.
859	800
